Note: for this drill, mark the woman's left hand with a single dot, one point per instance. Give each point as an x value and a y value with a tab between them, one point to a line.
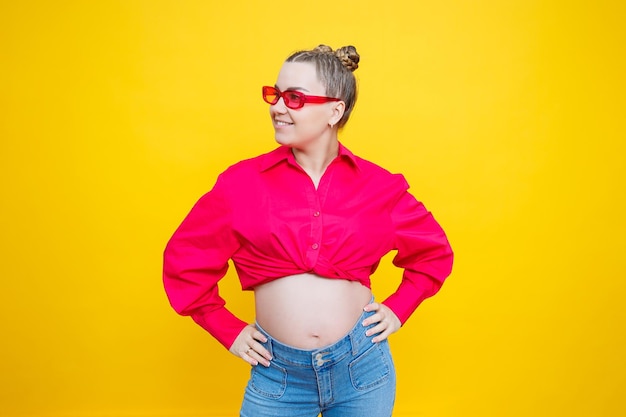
387	322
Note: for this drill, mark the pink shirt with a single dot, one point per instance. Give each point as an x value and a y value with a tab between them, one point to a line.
267	216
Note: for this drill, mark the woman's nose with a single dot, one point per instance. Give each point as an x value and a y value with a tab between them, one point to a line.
280	106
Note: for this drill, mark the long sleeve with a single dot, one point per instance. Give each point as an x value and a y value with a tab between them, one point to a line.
196	258
424	253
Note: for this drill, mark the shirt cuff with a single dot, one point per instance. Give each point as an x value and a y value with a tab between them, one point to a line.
410	295
221	324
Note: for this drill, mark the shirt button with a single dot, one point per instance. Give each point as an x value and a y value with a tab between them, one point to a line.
315	246
316	214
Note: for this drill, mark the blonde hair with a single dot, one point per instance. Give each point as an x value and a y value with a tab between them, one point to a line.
334	70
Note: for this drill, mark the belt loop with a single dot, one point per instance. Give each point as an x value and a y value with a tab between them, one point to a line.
268	344
353	343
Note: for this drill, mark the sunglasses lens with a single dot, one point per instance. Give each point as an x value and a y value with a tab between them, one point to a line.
270	95
293	99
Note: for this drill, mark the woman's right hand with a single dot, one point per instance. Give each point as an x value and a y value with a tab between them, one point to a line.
248	346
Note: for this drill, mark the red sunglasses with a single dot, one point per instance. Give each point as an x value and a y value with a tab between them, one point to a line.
293	99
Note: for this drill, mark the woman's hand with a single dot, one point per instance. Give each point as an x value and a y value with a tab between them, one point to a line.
387	322
249	348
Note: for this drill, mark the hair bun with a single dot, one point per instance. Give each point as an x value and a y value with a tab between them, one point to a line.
348	55
325	49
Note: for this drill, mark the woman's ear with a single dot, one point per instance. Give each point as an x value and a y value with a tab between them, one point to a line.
338	108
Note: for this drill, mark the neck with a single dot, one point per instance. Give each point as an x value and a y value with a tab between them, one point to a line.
314	160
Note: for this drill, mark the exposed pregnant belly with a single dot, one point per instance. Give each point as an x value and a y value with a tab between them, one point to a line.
307	311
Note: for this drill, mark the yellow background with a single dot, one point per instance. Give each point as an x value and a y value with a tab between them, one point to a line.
507	117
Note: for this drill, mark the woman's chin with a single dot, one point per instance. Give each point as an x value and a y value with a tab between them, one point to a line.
282	140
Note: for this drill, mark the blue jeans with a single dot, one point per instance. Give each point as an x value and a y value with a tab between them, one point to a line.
352	377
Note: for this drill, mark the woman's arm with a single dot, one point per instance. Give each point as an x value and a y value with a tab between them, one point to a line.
196	258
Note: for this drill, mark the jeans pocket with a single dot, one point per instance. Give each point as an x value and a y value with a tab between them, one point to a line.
371	369
270	382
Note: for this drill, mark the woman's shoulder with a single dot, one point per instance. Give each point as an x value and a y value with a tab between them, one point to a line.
248	166
246	174
377	174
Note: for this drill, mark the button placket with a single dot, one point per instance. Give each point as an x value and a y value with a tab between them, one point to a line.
315	238
315	198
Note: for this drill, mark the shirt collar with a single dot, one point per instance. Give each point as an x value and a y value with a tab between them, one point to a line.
283	153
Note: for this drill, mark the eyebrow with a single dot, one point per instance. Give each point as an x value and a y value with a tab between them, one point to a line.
292	89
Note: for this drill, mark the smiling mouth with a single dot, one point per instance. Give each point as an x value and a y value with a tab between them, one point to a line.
281	123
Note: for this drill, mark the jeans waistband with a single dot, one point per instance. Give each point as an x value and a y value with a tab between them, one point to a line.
352	343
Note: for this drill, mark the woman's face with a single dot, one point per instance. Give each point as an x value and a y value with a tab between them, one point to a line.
302	127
